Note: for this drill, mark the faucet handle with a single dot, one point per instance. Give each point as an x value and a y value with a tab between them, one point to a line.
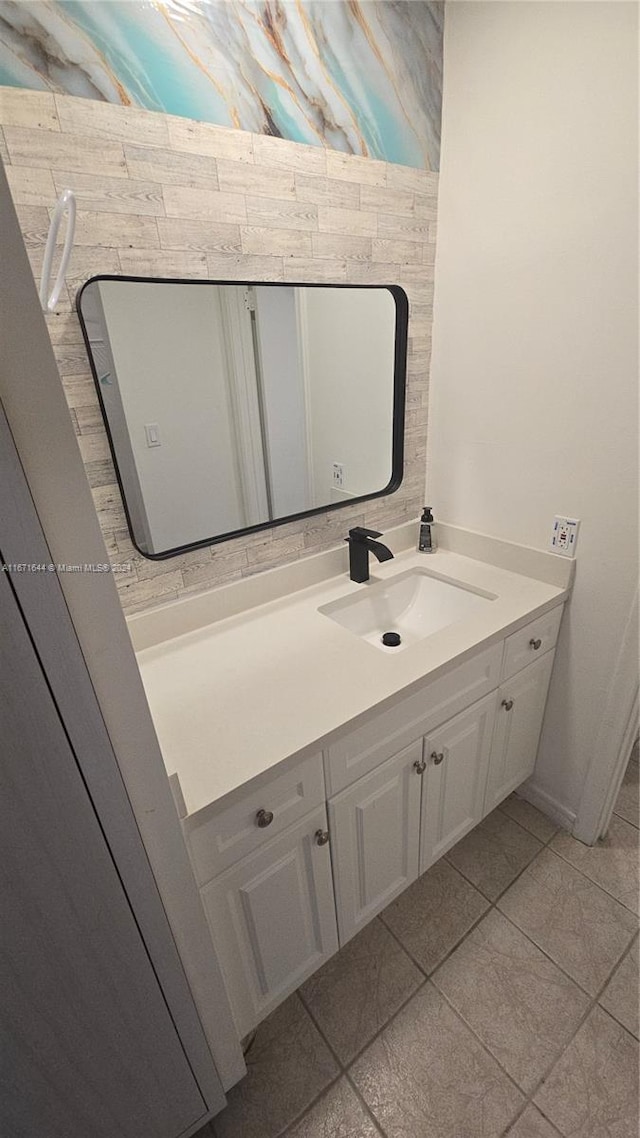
359	533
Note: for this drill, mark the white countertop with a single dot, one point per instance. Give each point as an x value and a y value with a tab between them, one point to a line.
235	698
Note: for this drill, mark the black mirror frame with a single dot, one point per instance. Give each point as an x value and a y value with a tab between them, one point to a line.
399	388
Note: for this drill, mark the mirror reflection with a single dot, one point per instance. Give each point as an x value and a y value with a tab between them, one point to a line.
233	406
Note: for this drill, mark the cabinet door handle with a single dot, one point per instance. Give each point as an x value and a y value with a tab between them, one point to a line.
535	644
420	766
437	757
264	818
507	704
322	837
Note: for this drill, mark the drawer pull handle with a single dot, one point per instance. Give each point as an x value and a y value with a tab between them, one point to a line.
507	704
322	837
264	818
535	644
420	766
437	757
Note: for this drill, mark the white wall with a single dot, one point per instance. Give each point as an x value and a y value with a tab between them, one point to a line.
350	345
168	347
534	374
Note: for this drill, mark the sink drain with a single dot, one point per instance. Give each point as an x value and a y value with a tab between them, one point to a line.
391	639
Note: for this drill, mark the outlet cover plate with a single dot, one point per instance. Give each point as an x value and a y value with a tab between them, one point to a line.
564	536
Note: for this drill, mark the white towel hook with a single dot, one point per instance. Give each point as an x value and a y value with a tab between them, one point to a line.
66	204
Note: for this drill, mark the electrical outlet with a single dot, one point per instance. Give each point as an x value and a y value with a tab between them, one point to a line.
338	475
564	536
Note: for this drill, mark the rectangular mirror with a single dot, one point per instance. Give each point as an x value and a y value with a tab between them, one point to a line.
234	406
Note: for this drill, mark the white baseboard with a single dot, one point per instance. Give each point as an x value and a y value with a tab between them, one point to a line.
548	805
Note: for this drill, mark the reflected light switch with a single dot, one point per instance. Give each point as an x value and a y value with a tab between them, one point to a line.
152	432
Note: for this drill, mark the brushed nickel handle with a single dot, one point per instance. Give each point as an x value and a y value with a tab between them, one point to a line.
322	837
264	818
420	766
535	644
507	704
437	757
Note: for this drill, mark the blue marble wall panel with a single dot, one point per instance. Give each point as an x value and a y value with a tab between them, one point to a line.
362	76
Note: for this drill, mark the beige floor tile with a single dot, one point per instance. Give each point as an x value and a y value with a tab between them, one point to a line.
532	1124
355	993
576	923
434	913
529	817
427	1076
611	863
592	1091
620	996
288	1066
493	853
628	801
338	1114
523	1008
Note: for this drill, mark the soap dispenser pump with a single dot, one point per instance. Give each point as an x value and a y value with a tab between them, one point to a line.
427	538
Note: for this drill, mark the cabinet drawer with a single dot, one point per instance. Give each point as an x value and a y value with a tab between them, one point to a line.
530	642
225	832
385	734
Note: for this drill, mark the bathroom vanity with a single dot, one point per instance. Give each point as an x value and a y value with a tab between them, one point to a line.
317	773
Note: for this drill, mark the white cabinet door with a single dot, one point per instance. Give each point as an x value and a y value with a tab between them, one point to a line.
453	785
375	830
521	703
272	919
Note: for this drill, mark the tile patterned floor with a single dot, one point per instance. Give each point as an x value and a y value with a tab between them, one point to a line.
497	996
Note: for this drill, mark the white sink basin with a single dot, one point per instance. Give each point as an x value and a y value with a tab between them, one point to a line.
414	604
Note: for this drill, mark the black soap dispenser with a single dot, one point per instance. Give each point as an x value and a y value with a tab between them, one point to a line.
427	538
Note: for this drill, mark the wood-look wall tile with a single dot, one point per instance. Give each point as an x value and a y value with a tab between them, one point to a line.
95	448
63	328
196	204
351	222
279	152
211	569
108	504
205	138
279	214
90	117
315	269
341	246
34	223
244	267
90	420
80	392
265	181
397	252
381	199
162	263
410	178
397	228
113	231
270	549
198	236
35	109
327	191
149	592
277	242
170	167
31	186
426	207
110	195
71	359
56	150
353	168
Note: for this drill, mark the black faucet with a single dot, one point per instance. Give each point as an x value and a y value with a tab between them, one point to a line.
361	544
